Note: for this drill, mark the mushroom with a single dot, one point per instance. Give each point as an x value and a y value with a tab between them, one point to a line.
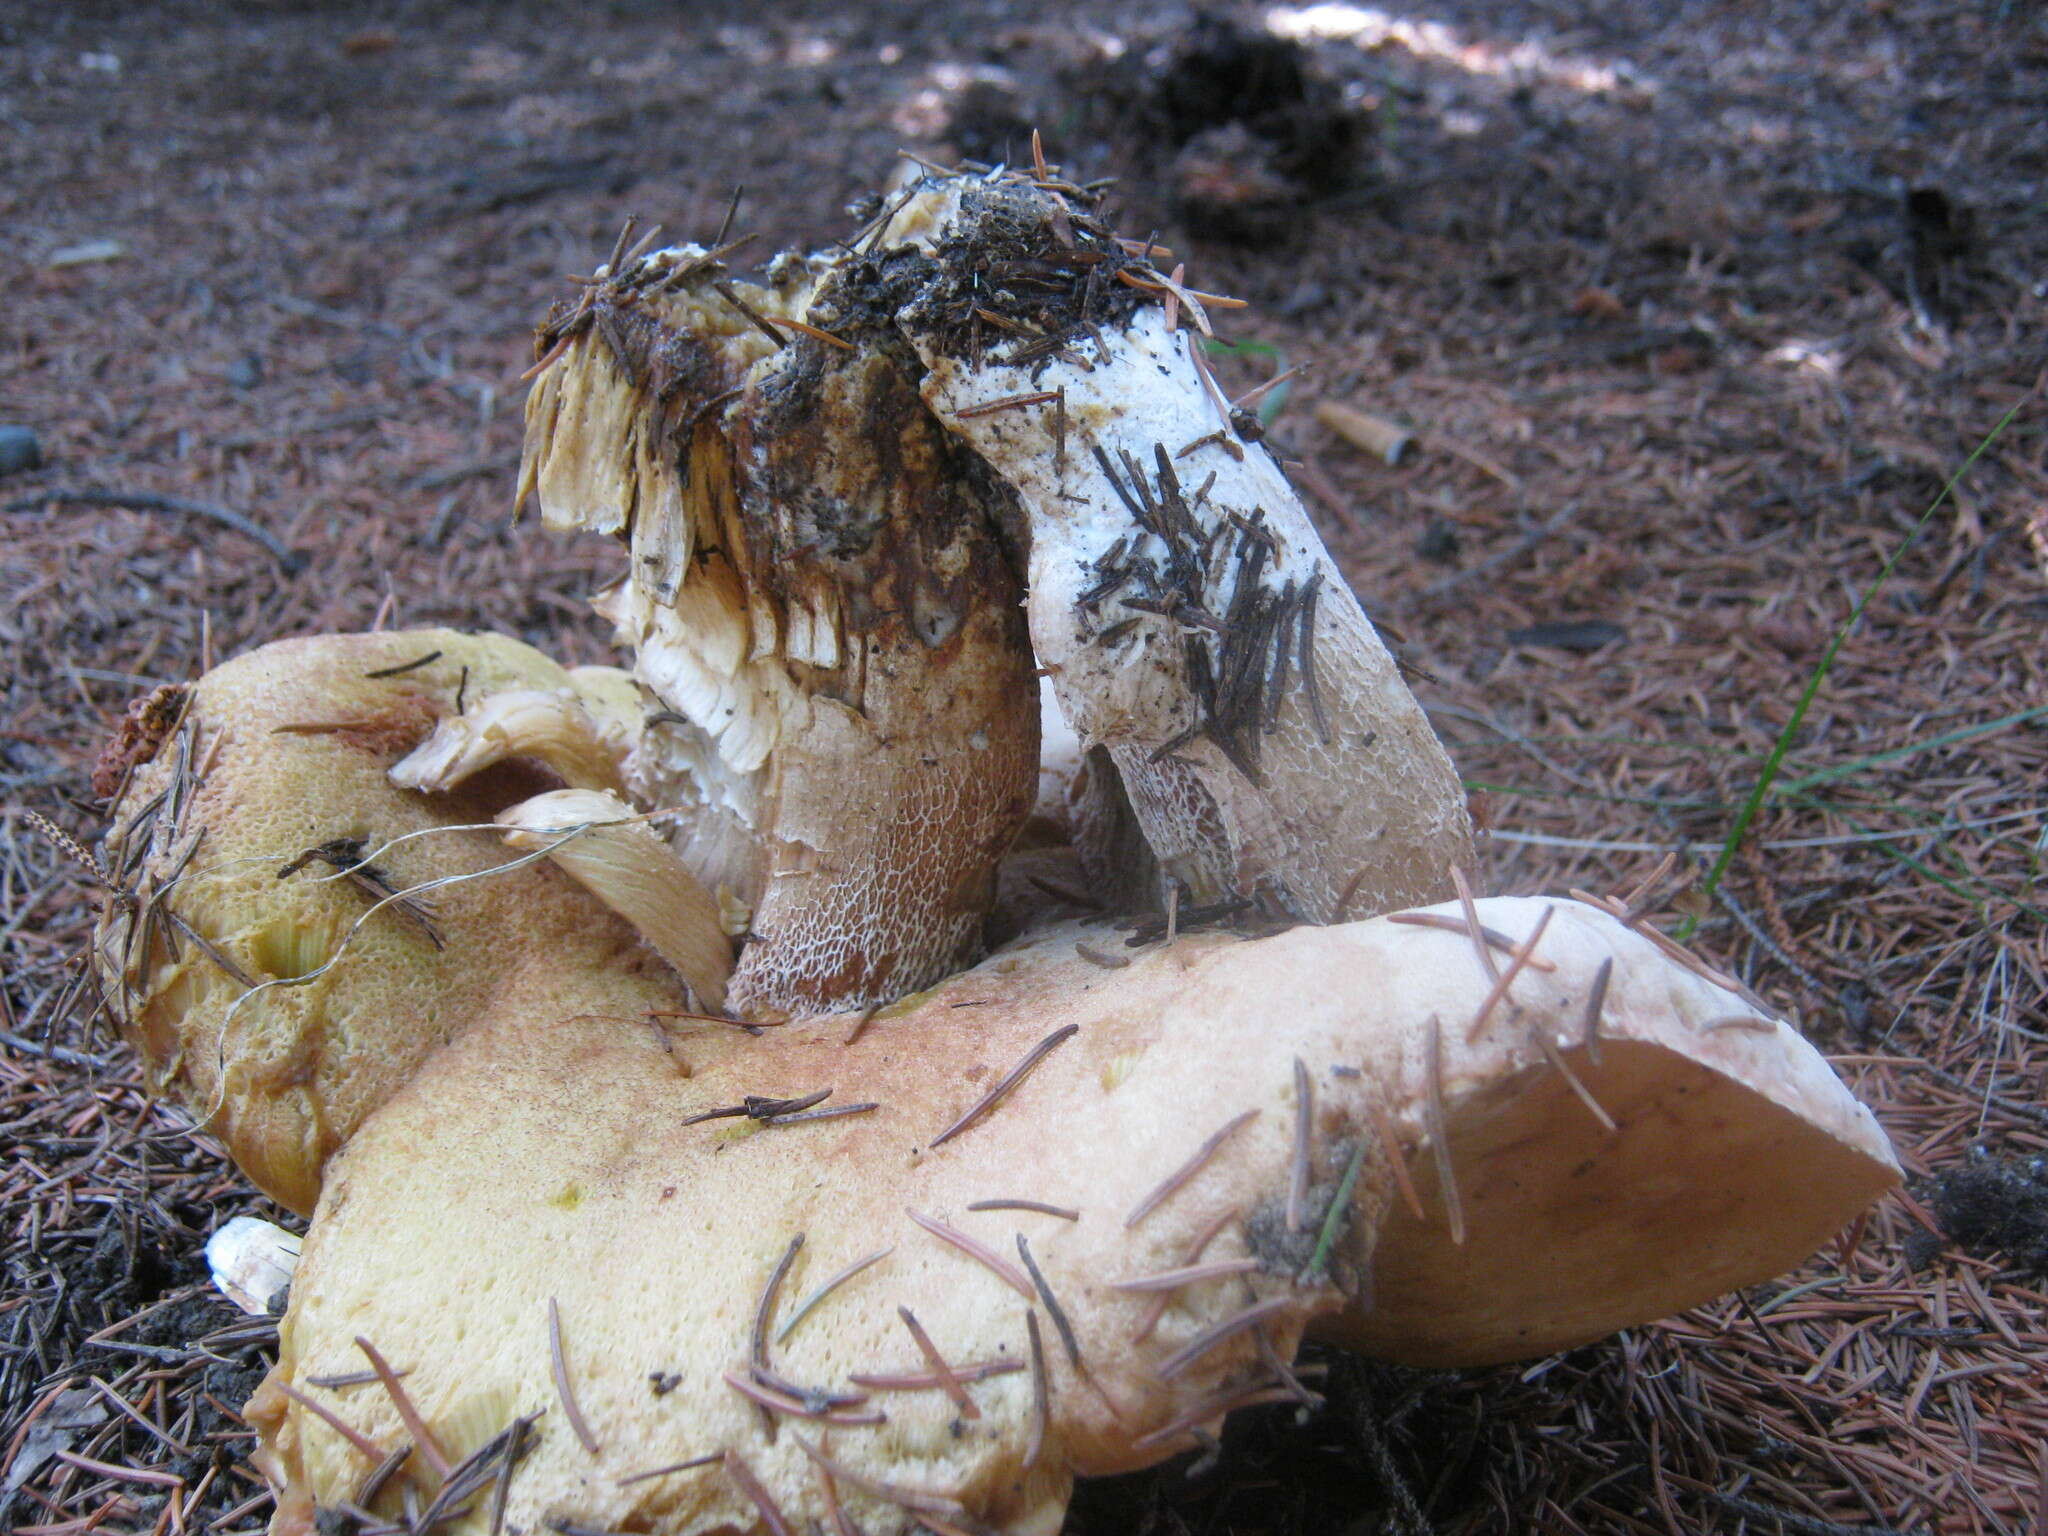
1192	624
581	1189
819	601
835	487
397	923
264	954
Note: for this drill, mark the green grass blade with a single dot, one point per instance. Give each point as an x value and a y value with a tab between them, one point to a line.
1340	1204
1984	891
1946	739
1758	795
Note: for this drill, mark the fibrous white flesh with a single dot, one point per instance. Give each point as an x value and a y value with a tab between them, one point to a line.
599	458
252	1262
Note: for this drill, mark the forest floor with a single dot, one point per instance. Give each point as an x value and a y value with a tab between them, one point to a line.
1691	310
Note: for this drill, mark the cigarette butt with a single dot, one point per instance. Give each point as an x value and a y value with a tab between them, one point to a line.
1376	435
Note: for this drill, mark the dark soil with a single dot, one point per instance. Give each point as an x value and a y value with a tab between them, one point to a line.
1999	1206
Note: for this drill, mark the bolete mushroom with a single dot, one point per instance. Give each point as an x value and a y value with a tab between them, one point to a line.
819	602
897	1239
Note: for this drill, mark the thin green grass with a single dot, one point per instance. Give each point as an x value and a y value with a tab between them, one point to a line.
1276	399
1970	886
1897	754
1983	893
1780	760
1767	779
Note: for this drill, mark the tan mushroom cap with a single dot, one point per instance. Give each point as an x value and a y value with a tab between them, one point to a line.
1736	1150
543	1160
289	748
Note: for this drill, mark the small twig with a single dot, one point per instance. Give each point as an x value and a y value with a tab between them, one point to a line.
743	1476
287	560
1220	1333
405	666
1041	1393
834	1113
1555	1057
948	1382
1163	1299
1507	977
1007	402
1383	1123
725	292
980	1370
1174	1279
1061	1211
1002	1269
1052	1305
334	1421
207	947
373	1484
804	1308
415	1425
918	1500
675	1466
1769	1516
732	211
757	1350
1473	927
790	1401
1187	1170
1304	1132
1439	1135
120	1474
1596	1000
1493	936
1227	1401
817	331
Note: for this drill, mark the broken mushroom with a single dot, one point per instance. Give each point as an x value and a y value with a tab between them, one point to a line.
820	601
894	1239
1180	598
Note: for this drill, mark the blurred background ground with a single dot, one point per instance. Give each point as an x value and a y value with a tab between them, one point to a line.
1690	308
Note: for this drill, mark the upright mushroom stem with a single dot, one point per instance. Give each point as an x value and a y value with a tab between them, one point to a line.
820	601
829	539
1180	598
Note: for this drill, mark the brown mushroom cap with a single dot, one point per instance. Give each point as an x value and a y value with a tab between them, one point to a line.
546	1161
